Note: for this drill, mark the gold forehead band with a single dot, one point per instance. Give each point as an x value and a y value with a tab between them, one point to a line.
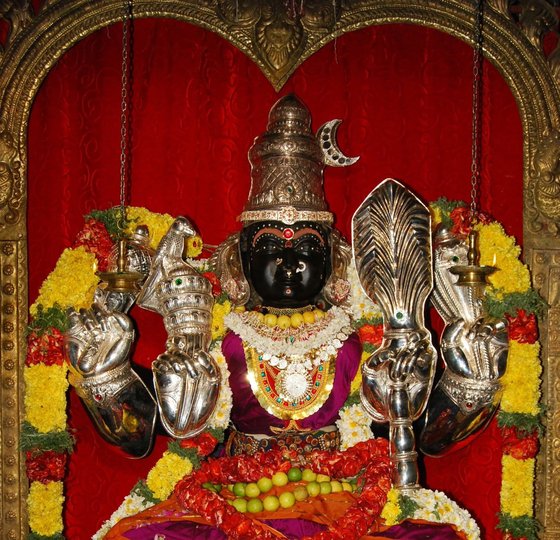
287	214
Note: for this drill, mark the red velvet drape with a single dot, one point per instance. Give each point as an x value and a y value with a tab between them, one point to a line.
404	94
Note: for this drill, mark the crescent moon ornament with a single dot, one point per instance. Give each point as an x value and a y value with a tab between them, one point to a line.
332	154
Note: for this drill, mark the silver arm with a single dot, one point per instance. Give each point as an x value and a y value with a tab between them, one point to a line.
98	343
474	347
392	250
186	377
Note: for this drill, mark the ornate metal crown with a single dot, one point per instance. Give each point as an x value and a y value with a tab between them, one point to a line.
287	163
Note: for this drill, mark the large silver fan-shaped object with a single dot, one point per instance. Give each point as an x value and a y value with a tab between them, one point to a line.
392	249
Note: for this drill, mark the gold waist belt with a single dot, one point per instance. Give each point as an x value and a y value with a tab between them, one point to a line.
301	442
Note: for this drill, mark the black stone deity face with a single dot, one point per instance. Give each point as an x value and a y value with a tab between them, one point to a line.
287	265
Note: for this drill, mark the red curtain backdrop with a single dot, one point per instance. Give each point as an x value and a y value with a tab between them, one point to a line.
404	94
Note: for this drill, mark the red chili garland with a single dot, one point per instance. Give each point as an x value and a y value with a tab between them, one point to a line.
370	459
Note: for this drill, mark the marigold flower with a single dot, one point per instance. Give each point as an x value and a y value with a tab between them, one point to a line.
522	379
158	224
45	397
44	506
517	486
166	473
194	246
71	283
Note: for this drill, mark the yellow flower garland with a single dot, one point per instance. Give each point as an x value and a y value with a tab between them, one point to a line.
522	378
41	380
517	486
166	473
44	505
521	382
71	283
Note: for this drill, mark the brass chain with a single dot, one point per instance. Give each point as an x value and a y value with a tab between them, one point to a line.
478	57
126	80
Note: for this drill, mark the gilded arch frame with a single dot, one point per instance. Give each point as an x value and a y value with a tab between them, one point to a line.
513	42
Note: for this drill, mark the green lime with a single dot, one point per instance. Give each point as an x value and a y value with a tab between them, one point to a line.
325	488
323	478
294	474
287	499
252	490
265	484
300	493
336	486
239	489
280	479
346	486
240	505
308	475
271	503
313	488
254	506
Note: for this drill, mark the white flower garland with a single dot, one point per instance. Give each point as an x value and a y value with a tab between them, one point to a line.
131	505
284	343
437	507
353	426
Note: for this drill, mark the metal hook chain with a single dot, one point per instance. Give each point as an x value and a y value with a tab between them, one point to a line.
126	80
477	109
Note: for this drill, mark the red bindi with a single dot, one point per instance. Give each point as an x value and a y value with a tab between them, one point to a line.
288	233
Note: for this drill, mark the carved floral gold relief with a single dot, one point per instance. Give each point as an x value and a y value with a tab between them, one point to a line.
10	179
546	179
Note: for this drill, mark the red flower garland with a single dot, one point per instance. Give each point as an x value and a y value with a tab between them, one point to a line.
370	459
520	445
95	239
523	327
204	443
48	466
47	348
371	333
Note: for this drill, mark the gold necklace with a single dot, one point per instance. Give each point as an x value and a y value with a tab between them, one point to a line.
287	311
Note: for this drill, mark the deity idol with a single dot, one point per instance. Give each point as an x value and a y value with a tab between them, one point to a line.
292	352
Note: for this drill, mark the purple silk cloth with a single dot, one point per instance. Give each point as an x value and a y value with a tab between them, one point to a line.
293	529
247	414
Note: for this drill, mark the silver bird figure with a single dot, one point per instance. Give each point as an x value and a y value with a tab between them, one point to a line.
186	377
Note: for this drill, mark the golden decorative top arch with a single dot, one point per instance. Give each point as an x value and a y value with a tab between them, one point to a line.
278	43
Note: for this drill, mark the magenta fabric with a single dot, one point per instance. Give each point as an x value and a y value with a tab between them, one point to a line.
291	528
247	414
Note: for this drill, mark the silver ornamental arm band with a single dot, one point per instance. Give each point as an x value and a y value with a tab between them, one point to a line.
121	406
